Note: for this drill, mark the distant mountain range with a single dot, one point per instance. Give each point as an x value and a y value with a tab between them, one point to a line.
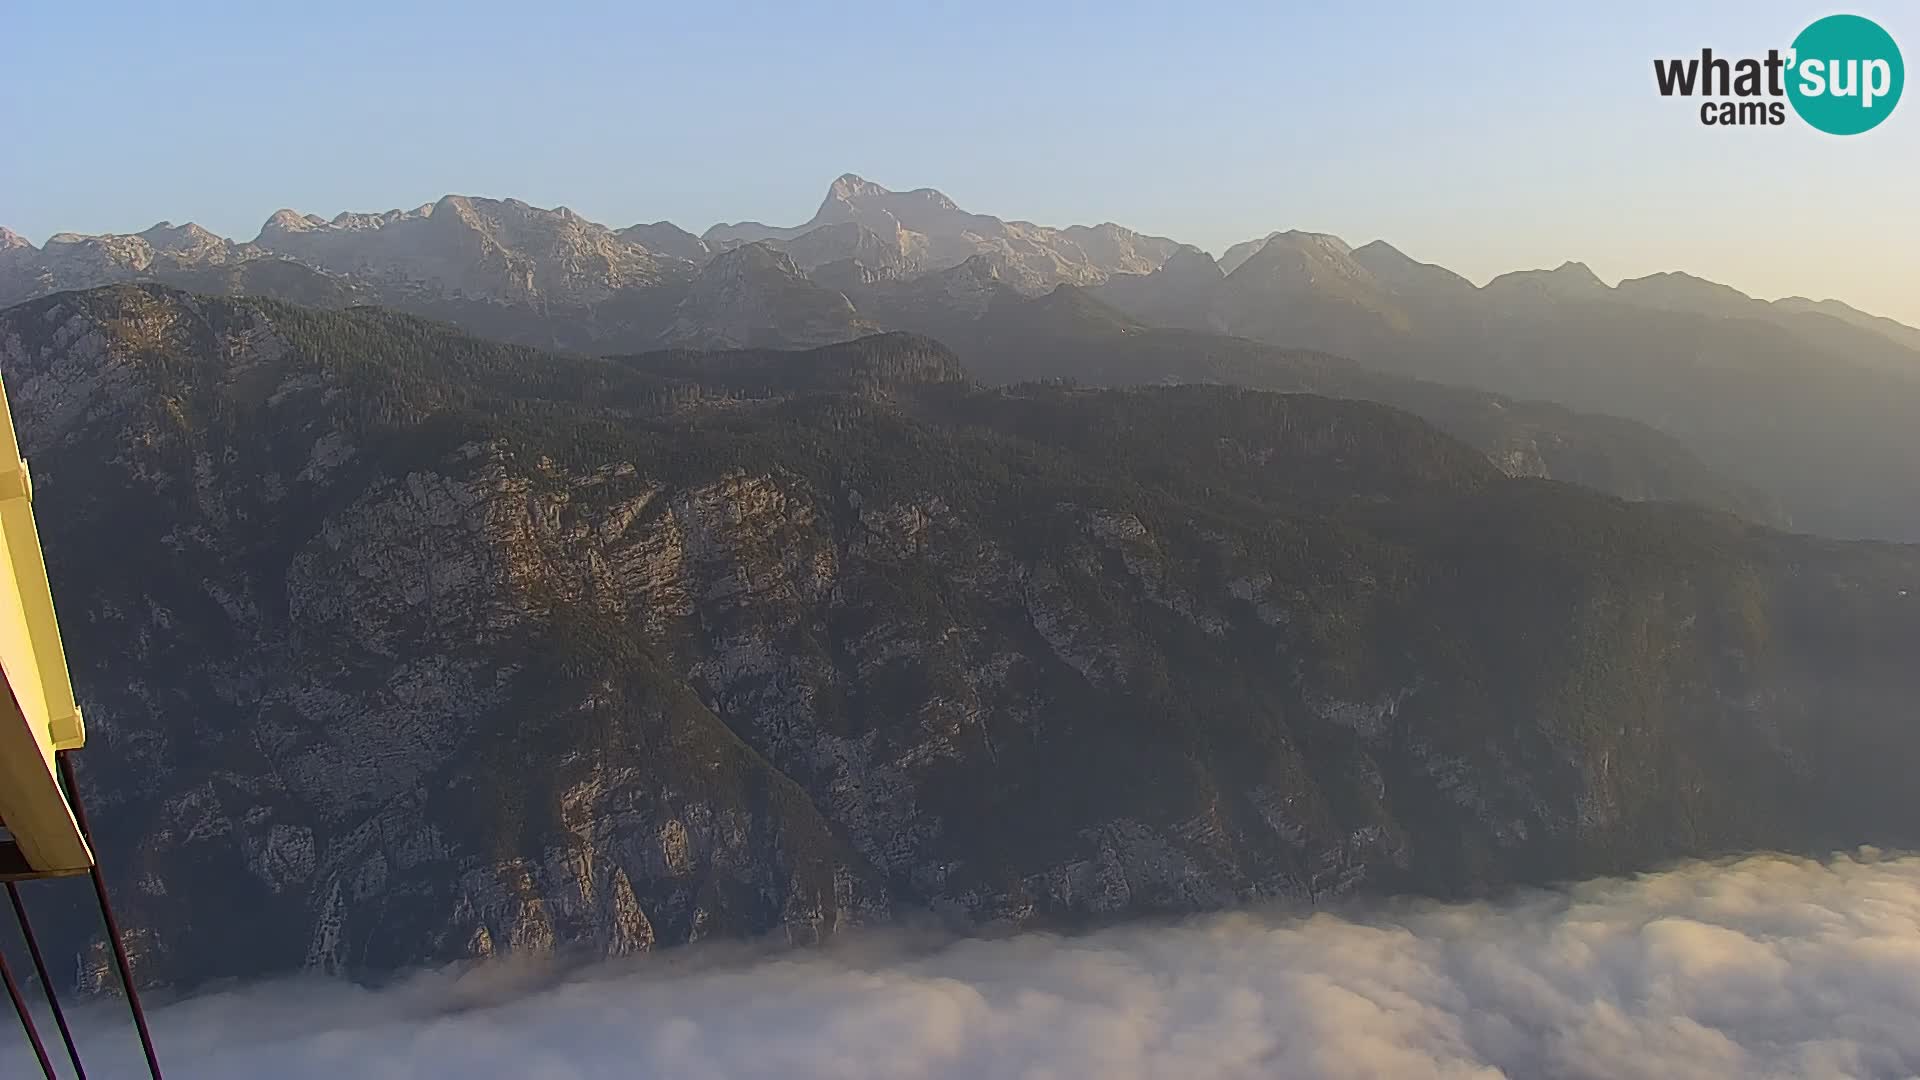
1813	404
505	250
1802	411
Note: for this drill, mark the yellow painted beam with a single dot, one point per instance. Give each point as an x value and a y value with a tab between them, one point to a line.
38	715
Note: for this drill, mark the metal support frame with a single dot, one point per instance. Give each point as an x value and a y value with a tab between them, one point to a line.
106	915
46	979
26	1017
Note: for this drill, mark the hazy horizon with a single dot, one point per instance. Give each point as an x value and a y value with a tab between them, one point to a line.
1486	140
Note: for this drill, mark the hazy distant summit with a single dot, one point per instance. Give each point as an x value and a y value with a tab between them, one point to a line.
854	198
924	231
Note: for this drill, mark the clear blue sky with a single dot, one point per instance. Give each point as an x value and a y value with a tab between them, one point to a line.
1484	136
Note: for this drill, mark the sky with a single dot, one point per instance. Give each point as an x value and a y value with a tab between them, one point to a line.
1764	968
1483	136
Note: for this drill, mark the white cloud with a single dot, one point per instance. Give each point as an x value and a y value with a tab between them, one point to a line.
1762	967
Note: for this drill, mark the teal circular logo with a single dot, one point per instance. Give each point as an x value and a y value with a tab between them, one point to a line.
1845	74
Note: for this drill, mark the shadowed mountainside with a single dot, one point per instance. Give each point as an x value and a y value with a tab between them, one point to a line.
400	645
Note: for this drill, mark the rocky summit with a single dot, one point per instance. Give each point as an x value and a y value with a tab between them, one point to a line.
497	249
401	645
927	230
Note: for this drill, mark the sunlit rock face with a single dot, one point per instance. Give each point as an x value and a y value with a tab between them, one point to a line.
398	646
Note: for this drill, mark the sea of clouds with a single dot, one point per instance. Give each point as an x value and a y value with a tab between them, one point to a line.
1760	967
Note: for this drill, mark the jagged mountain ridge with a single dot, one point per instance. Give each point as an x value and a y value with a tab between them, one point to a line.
508	250
1807	405
1811	409
406	646
571	259
757	295
1899	332
1004	337
924	229
495	249
754	295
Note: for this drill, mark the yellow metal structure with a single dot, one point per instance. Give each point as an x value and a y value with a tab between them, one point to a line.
38	716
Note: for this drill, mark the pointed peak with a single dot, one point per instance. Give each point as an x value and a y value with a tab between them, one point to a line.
168	232
1272	245
1402	272
935	197
854	186
857	198
1187	259
666	238
758	255
1296	248
10	240
1315	240
1380	249
289	221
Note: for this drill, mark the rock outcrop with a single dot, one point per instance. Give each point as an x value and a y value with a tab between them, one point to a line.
463	246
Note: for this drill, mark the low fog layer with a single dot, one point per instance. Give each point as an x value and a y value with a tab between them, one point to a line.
1762	967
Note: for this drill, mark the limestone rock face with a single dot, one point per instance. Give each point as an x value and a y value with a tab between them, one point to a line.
399	646
75	261
481	248
929	232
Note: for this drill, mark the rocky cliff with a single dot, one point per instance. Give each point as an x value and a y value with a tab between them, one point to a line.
397	645
483	248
